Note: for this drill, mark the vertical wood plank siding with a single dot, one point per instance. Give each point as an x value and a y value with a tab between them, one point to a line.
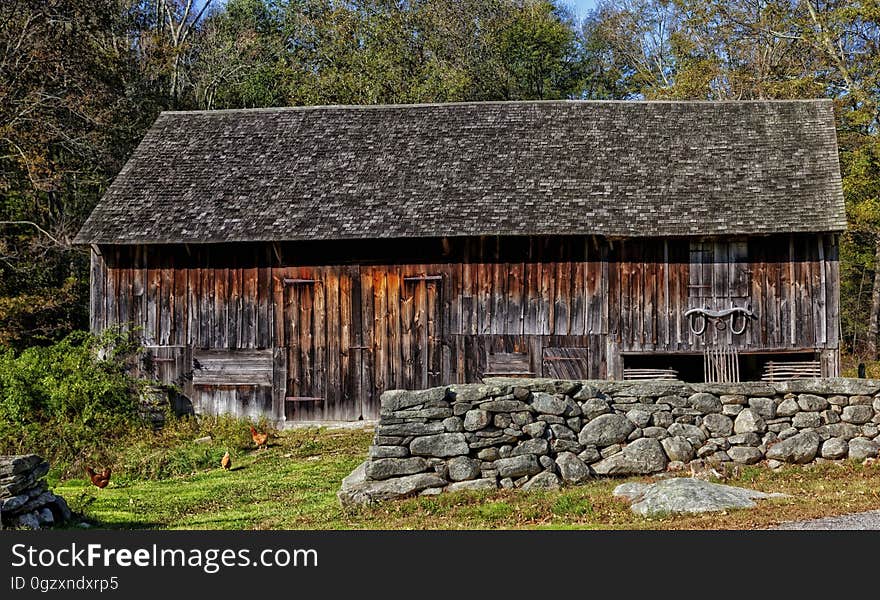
343	333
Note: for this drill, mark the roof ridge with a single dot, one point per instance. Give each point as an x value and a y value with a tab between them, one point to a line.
568	101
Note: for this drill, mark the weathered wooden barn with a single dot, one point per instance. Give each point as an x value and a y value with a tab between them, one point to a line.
296	262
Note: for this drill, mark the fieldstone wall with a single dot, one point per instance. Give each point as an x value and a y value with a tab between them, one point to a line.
541	433
25	499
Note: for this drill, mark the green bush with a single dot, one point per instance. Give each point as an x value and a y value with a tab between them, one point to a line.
69	401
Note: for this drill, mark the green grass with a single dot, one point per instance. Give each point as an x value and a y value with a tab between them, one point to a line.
293	485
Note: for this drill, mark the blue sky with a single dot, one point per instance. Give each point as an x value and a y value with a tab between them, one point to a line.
581	7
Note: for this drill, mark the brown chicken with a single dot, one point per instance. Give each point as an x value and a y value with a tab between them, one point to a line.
226	461
260	439
99	479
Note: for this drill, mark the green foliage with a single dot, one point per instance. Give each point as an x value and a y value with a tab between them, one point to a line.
44	316
68	401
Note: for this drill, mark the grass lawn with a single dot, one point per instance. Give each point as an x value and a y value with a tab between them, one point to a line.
293	484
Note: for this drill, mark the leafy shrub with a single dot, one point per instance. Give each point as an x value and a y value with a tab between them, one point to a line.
68	401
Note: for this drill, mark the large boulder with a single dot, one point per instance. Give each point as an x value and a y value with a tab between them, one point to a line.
678	448
572	469
441	445
606	430
687	495
385	468
517	466
861	448
749	421
800	449
835	448
641	457
358	490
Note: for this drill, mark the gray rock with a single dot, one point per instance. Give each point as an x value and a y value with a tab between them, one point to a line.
787	408
746	455
589	455
764	407
442	445
507	483
861	448
27	521
535	446
388	440
838	400
678	448
546	480
476	419
506	406
385	468
562	432
812	403
705	403
870	431
799	449
788	432
641	457
655	432
392	400
630	490
45	517
639	417
12	504
557	445
674	400
462	468
453	424
745	439
611	450
605	430
846	431
551	419
472	485
388	452
860	400
718	424
829	385
693	433
829	417
522	418
547	463
502	420
517	466
857	415
748	421
357	489
548	404
636	434
488	454
804	420
688	495
572	469
469	392
662	419
535	429
431	412
406	429
835	448
876	404
594	407
731	410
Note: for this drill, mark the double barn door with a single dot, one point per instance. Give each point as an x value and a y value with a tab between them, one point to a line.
350	333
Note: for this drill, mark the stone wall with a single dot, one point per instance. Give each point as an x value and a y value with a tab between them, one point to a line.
540	433
25	499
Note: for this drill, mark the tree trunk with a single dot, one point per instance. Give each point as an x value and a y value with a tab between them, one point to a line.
875	304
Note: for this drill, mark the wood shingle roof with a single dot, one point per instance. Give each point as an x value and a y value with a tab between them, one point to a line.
495	168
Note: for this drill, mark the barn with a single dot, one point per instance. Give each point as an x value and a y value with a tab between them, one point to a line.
294	263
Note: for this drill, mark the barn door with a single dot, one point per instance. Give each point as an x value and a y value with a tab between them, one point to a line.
421	331
305	342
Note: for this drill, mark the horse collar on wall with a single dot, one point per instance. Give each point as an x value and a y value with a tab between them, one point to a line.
699	317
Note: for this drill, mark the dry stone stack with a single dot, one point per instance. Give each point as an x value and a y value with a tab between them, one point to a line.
25	499
543	433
